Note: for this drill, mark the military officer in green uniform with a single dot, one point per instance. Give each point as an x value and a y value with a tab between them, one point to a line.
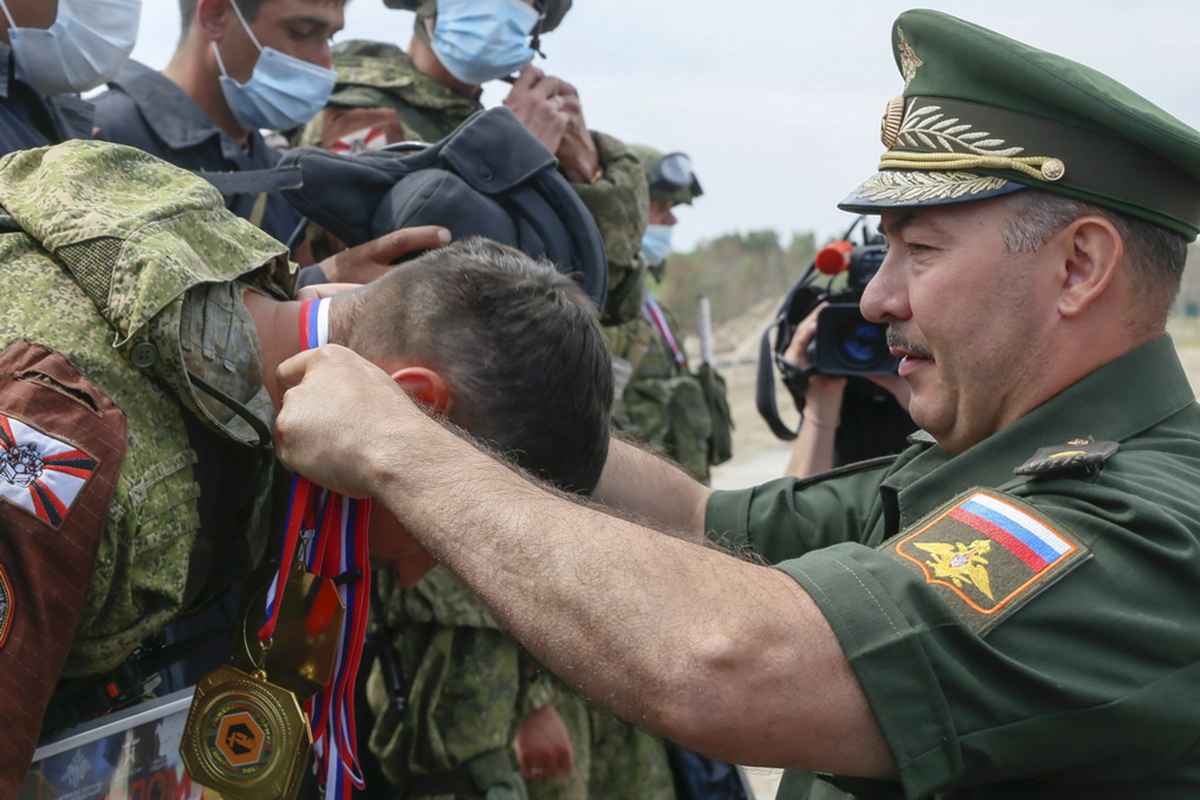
1010	607
141	328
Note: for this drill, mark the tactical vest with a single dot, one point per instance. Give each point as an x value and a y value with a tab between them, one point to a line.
127	266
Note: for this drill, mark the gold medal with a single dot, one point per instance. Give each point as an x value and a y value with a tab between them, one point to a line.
302	653
244	737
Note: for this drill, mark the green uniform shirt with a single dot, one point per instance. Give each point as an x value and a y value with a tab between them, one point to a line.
1090	688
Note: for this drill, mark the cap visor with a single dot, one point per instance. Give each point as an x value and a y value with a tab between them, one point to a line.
910	188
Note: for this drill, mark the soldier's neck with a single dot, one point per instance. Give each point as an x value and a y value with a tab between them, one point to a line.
278	324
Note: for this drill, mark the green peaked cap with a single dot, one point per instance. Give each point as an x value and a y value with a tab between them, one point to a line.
983	115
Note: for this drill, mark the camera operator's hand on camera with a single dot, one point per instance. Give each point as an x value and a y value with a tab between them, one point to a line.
822	413
823	390
366	262
550	108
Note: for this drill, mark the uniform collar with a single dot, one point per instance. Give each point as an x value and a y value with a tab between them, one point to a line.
167	110
1115	403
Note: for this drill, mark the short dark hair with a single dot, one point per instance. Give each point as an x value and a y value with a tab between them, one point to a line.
249	9
1154	255
519	346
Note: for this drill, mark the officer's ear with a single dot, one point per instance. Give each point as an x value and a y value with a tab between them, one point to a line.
1092	252
425	385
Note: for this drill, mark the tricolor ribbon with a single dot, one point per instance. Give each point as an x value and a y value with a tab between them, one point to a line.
656	315
334	530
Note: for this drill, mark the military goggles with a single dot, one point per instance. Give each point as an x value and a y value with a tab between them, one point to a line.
673	173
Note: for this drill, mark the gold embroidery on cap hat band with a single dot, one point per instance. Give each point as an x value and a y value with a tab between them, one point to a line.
921	187
958	146
1033	166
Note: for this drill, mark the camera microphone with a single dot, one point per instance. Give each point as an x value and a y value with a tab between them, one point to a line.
834	257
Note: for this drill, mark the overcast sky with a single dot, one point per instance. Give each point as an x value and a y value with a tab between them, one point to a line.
778	101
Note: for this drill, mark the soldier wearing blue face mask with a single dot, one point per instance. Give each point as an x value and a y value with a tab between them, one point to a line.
241	66
48	53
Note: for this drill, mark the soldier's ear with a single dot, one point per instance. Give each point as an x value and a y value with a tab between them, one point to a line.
425	385
212	19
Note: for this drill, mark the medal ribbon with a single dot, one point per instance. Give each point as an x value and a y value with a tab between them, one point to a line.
336	548
655	313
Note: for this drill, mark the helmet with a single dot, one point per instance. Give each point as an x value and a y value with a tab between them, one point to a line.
551	11
669	175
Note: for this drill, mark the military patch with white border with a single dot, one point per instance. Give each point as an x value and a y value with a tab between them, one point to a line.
987	554
39	473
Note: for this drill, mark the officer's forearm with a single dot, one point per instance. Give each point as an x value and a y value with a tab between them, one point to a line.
647	486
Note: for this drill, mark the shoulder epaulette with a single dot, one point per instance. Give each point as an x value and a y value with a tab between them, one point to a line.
1077	454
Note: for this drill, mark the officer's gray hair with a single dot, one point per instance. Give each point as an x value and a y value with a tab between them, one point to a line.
1154	255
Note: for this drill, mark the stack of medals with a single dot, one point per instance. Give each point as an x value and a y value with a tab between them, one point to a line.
247	735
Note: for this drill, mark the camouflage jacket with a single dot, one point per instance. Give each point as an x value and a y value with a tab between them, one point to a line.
377	75
133	270
660	401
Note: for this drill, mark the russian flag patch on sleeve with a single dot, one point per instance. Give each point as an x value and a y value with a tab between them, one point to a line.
39	473
987	554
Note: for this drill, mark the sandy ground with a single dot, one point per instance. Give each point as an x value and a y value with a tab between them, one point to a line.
759	456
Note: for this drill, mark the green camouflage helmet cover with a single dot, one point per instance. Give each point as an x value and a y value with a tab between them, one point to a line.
674	192
551	11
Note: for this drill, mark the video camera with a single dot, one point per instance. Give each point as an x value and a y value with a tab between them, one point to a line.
845	344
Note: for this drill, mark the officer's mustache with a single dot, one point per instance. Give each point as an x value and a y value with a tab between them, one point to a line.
899	341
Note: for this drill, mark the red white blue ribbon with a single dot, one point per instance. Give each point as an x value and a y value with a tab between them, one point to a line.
656	315
334	533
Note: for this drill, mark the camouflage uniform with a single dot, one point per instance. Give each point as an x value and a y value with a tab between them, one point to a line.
121	299
449	645
378	86
677	411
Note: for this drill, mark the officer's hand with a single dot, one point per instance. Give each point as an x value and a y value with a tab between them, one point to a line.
343	419
543	746
577	156
534	99
368	261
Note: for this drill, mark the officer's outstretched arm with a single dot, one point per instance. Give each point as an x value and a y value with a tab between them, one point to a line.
729	658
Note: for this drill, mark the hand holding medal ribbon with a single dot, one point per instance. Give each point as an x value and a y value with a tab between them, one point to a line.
336	547
247	735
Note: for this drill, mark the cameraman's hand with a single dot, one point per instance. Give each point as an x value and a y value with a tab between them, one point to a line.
826	390
366	262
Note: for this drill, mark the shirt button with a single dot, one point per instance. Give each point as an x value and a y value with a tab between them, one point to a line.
143	354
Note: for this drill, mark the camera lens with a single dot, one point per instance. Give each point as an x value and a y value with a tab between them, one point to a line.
862	345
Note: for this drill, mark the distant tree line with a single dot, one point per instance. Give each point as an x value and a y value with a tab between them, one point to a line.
736	272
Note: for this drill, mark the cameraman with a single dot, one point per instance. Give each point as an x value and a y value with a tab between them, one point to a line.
821	414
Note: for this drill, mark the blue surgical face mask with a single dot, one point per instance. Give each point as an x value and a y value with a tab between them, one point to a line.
87	44
283	91
481	40
656	243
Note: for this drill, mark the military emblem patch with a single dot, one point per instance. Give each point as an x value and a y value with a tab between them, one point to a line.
987	554
39	473
6	607
360	141
908	58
